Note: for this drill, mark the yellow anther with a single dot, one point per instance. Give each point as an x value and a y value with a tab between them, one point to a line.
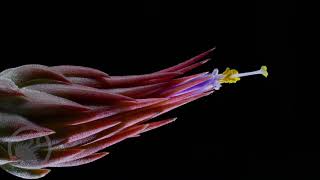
228	76
264	71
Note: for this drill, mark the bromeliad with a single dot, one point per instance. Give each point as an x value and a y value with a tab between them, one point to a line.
63	116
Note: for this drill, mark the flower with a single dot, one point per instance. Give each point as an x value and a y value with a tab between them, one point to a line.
63	116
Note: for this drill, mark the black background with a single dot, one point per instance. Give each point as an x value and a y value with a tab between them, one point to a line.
246	130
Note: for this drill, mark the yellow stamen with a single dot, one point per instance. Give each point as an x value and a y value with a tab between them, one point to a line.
232	75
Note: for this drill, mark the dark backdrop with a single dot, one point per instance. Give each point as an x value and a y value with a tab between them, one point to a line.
245	130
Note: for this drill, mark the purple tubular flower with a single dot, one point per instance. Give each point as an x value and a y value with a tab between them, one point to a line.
63	116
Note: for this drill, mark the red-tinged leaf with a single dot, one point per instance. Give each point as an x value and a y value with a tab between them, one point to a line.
44	158
193	66
25	173
184	86
152	89
172	82
157	124
189	78
81	94
39	103
140	115
104	143
126	119
79	71
161	103
112	131
90	82
136	80
76	118
14	128
96	114
8	88
187	63
140	91
178	98
75	143
23	74
77	132
82	161
116	112
170	106
140	103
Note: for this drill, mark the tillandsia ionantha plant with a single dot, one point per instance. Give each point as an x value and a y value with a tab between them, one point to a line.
63	116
